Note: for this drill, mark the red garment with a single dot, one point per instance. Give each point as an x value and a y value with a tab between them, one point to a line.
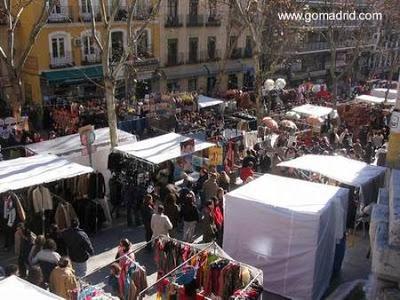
218	217
246	173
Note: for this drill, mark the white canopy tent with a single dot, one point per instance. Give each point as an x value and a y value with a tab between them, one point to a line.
69	144
161	148
24	172
204	101
289	235
14	287
348	171
374	100
70	148
381	93
308	110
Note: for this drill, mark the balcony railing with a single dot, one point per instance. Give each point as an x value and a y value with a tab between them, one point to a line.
194	20
64	61
173	21
87	16
122	14
175	60
61	14
213	20
236	53
91	59
209	55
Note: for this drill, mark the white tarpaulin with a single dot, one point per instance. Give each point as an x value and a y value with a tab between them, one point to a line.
288	228
24	172
382	93
349	171
374	100
204	101
308	110
72	143
161	148
16	288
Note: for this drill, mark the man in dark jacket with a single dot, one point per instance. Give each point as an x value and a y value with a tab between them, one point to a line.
79	247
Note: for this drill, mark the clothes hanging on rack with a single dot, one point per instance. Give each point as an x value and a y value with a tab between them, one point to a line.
65	213
97	187
42	199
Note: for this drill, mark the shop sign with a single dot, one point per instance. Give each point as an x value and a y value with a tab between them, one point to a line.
215	155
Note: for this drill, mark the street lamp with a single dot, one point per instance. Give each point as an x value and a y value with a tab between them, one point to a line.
271	90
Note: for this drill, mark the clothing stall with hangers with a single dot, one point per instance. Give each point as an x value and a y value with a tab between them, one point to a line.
33	190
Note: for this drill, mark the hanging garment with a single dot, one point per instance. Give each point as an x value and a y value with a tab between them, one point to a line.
65	213
82	188
97	187
42	200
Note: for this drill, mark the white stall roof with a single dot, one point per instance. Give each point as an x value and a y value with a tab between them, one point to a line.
288	228
382	93
374	100
24	172
313	110
161	148
204	101
72	143
342	169
14	287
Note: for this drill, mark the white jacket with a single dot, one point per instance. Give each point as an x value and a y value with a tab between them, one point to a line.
160	225
42	199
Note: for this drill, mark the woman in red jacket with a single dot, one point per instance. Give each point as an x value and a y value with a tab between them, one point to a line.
218	220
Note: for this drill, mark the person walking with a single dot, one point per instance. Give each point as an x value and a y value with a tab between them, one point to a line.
160	223
79	247
47	258
208	225
27	240
37	246
190	216
63	279
172	211
147	213
210	187
35	276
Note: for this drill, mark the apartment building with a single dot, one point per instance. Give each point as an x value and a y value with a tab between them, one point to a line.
193	42
65	61
311	58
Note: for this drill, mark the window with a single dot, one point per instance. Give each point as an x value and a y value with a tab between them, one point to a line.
193	7
86	6
58	47
117	45
249	46
232	81
192	85
172	86
212	5
211	47
172	52
90	53
193	49
143	46
173	8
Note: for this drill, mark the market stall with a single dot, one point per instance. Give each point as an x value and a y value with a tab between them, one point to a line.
40	187
351	172
381	93
204	102
374	100
308	110
14	287
290	236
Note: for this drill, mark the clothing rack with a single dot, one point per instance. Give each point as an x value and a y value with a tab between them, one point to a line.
142	246
249	284
140	296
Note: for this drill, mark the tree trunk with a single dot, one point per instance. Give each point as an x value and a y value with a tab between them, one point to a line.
109	88
258	86
15	94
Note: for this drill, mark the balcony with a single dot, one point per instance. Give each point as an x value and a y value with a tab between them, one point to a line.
142	14
175	60
210	55
173	21
86	17
213	20
61	61
236	53
248	53
193	59
194	20
91	59
122	14
61	14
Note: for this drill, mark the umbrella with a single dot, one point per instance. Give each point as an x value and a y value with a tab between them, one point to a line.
313	120
288	124
292	115
270	123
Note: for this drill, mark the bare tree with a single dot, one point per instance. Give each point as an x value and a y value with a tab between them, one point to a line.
14	55
271	37
351	37
114	60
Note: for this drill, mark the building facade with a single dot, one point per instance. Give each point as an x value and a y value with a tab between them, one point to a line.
65	61
194	42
